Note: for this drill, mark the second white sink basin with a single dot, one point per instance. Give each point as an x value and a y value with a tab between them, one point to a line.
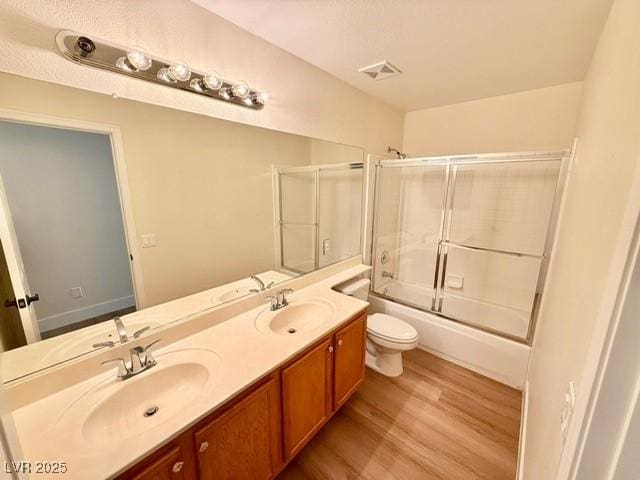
116	410
298	316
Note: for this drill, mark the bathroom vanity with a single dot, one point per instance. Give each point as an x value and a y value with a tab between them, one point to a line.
236	391
257	433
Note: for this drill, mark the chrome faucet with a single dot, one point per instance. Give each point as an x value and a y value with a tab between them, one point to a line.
279	300
122	332
386	274
140	361
261	285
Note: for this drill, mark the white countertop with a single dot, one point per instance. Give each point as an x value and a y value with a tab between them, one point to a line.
31	358
245	356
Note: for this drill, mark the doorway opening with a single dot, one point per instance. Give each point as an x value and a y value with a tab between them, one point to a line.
65	262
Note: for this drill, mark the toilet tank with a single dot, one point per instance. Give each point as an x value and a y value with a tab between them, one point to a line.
358	288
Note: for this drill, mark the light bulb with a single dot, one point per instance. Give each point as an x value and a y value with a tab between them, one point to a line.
213	81
241	89
124	64
139	60
260	98
180	71
163	74
197	85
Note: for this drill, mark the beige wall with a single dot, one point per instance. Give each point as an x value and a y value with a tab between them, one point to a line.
541	119
592	225
305	100
201	185
323	153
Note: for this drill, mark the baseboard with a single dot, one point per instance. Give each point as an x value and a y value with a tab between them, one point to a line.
524	415
90	311
495	357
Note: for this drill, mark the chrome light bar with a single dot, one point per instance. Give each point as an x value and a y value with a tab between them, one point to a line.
133	62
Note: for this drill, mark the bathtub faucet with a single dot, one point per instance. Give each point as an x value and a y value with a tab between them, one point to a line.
386	274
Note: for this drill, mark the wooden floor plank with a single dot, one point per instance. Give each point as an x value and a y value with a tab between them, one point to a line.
436	421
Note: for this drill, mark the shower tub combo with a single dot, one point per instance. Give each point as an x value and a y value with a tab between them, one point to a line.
460	248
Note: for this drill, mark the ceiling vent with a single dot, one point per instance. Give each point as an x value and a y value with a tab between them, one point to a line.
380	71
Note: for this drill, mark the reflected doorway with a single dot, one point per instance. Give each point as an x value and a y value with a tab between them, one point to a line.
66	262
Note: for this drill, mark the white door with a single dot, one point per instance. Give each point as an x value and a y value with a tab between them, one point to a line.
24	299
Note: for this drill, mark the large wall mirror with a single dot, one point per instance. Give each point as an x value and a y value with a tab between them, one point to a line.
112	208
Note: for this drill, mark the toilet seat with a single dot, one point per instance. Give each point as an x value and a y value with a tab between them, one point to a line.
391	329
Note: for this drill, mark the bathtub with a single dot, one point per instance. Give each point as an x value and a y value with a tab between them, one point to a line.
513	322
496	357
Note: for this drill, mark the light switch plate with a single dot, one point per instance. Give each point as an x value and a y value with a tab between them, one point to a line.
148	240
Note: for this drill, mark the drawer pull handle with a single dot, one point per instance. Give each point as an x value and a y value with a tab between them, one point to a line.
177	467
331	349
340	342
204	446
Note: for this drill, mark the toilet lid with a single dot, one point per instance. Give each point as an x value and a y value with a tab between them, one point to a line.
391	328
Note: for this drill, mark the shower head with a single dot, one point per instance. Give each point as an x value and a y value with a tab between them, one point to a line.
400	155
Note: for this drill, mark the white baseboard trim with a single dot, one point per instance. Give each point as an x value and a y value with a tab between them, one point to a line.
524	415
487	354
72	316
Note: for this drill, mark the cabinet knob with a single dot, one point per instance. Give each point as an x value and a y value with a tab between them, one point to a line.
177	467
204	446
340	342
330	348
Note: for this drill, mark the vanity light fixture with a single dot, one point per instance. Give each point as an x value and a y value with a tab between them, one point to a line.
135	62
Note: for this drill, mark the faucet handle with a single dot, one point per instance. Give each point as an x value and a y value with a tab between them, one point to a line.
108	343
273	302
137	333
123	370
284	302
148	355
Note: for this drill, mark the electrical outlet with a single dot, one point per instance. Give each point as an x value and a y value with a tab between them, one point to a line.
76	292
567	410
148	240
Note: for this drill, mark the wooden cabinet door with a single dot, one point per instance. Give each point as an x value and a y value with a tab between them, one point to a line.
350	344
244	442
170	464
306	396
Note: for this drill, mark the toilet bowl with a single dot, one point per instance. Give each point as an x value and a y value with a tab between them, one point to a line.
387	336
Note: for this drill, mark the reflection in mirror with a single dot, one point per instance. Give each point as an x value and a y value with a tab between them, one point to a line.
65	262
319	213
128	210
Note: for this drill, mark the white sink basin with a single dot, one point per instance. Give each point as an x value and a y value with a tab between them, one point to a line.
299	316
234	293
116	410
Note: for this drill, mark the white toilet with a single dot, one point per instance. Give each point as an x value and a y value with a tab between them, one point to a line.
387	336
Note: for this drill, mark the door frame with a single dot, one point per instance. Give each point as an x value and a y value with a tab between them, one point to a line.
122	181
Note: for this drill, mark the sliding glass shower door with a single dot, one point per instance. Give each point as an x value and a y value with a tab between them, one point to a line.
466	237
495	243
408	224
298	225
319	215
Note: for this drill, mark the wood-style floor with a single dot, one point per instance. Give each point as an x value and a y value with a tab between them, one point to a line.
436	421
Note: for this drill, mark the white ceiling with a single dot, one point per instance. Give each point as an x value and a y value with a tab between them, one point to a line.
450	50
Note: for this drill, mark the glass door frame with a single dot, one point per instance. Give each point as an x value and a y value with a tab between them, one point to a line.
564	157
279	223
